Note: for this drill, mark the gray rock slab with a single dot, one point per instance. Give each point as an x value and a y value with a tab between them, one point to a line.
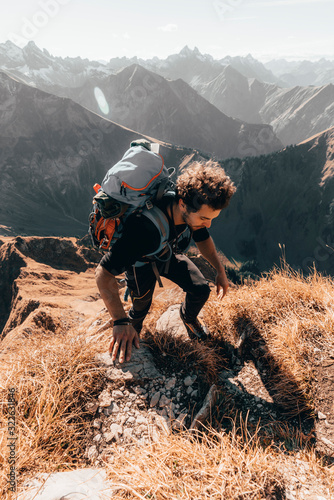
80	484
171	322
140	367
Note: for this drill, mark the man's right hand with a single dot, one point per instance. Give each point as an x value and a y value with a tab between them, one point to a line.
122	338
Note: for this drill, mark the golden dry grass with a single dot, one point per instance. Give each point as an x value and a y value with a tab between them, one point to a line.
206	466
290	317
56	375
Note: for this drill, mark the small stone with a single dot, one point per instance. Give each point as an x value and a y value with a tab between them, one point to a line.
113	408
126	409
164	401
170	384
321	416
141	420
178	396
139	390
117	394
155	399
127	433
131	420
114	434
97	438
97	424
189	390
92	452
140	430
188	381
194	394
105	399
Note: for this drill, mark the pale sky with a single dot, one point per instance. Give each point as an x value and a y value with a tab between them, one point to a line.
102	29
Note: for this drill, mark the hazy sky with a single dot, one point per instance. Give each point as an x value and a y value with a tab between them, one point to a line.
101	29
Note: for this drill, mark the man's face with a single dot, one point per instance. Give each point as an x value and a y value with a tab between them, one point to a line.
199	219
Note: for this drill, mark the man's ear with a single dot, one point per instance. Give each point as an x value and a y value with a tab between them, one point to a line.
182	205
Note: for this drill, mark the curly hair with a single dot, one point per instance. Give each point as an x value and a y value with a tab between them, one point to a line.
204	183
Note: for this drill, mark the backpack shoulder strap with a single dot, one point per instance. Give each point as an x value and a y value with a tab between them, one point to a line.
160	221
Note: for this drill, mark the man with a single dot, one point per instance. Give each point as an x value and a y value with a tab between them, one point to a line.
202	191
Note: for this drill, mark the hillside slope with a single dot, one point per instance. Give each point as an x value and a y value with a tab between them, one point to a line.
284	204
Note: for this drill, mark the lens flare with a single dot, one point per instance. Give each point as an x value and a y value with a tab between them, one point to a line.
101	101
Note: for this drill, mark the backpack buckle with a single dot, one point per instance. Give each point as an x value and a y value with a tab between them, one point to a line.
149	204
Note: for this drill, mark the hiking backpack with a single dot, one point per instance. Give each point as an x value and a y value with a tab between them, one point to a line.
131	186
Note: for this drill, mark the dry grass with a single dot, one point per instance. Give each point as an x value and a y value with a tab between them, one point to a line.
56	375
287	320
212	465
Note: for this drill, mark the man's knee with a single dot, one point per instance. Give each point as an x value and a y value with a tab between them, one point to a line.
203	291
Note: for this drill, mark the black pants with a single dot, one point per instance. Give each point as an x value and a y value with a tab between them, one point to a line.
141	282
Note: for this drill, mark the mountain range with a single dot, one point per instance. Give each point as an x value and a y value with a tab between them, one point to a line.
294	113
240	87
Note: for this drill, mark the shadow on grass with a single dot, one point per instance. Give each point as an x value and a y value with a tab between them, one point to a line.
286	418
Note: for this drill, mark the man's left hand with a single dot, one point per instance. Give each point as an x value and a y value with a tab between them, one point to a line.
222	284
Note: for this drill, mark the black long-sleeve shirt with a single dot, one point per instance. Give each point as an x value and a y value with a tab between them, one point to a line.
141	237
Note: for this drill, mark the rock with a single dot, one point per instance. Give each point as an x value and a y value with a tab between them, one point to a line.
92	452
321	416
131	420
194	394
128	434
113	408
117	394
170	321
188	381
97	438
105	399
155	399
70	485
204	412
114	434
141	420
189	390
141	366
164	401
97	424
170	384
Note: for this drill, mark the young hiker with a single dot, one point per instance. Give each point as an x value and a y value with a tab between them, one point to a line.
202	191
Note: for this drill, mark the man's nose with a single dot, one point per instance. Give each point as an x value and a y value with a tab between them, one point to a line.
208	223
